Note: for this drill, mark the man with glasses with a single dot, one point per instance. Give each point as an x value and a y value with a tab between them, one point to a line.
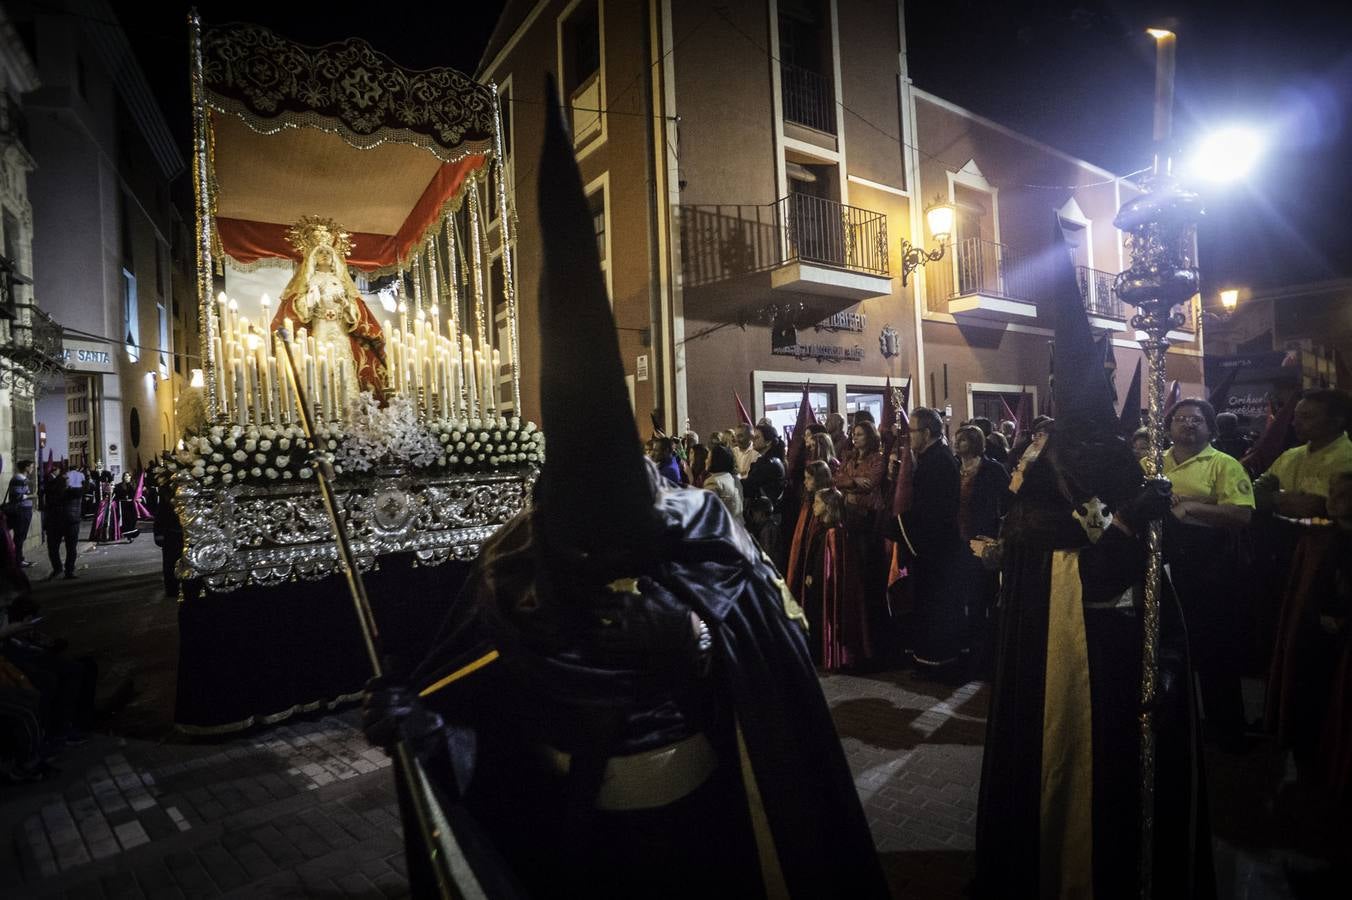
1212	503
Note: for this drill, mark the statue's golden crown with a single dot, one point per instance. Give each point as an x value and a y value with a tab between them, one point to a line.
314	231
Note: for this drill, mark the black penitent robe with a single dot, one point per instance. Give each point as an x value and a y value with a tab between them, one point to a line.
1059	805
759	705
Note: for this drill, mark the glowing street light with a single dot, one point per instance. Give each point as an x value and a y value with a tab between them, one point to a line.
1226	155
1229	299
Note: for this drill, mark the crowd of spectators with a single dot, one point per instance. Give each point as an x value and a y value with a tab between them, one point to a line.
891	541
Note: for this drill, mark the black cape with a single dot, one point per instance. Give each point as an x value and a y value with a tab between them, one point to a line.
761	685
1045	549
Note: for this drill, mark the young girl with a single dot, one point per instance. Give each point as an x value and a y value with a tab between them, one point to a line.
816	475
832	592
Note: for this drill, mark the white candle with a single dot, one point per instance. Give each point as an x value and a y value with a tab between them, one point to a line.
241	403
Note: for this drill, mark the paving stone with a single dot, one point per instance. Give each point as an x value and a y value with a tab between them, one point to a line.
277	847
253	860
225	872
194	881
89	890
355	884
157	823
131	834
120	886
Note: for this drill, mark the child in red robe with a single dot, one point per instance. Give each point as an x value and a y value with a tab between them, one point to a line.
832	591
816	475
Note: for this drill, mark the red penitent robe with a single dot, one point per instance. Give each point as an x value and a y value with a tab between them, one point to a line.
844	637
803	533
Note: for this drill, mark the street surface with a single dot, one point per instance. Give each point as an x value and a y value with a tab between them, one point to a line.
306	809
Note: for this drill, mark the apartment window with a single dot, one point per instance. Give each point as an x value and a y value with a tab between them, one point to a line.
130	321
162	318
805	71
580	52
124	232
597	206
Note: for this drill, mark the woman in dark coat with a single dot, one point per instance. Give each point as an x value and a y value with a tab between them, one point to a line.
985	484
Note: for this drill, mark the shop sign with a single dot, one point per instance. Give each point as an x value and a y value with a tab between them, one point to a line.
641	368
86	356
822	352
843	321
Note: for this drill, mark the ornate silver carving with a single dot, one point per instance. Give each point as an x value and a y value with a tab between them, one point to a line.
256	535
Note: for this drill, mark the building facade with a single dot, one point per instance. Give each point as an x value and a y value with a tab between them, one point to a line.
101	195
30	341
754	169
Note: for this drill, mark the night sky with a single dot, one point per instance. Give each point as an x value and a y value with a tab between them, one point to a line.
1079	76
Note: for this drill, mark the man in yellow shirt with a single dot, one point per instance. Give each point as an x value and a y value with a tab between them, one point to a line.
1213	498
1297	484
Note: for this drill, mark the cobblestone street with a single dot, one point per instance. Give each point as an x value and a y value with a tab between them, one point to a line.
306	808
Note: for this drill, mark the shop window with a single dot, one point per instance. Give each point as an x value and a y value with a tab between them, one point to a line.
781	401
864	398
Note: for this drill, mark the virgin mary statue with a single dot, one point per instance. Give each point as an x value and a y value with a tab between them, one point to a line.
322	297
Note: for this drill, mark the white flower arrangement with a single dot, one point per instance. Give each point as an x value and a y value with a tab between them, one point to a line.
372	435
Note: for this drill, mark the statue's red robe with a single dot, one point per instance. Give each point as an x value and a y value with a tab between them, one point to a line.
367	340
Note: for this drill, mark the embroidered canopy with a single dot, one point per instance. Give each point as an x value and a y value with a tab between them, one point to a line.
338	130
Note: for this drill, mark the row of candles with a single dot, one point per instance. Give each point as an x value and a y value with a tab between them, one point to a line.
443	373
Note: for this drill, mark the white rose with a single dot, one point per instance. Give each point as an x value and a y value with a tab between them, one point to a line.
239	456
284	444
217	431
269	432
265	445
333	445
256	472
251	445
483	436
511	435
228	443
271	473
216	457
337	470
286	476
452	460
530	426
260	458
445	438
441	460
460	446
516	422
226	467
214	469
227	478
208	480
283	462
198	472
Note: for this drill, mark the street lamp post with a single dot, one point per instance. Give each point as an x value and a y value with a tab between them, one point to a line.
1160	227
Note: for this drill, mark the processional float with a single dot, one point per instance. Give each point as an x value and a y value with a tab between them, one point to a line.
343	427
362	211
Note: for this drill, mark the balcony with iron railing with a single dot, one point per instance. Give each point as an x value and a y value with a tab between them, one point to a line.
808	98
13	122
799	244
981	279
1101	302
